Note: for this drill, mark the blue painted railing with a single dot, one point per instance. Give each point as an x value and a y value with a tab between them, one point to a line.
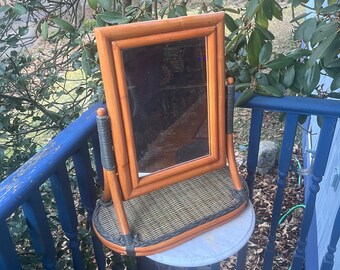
79	143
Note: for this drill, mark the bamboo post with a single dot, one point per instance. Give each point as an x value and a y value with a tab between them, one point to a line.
111	183
230	131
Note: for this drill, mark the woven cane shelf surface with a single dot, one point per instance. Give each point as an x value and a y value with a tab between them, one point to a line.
171	211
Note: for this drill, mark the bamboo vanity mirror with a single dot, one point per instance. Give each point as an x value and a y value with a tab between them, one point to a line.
166	178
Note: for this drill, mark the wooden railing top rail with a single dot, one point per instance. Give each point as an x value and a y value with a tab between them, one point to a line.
16	188
298	105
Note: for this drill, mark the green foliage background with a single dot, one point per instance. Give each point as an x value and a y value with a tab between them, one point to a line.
49	69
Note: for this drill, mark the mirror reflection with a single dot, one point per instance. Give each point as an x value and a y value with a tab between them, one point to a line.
167	90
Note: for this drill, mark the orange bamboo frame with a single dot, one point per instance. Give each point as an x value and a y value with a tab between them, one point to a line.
111	41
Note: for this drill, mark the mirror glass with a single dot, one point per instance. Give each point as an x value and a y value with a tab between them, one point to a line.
167	90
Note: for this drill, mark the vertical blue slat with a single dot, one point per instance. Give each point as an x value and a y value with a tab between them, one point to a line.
87	189
328	259
253	152
39	230
8	257
284	165
253	148
320	162
97	159
68	218
242	257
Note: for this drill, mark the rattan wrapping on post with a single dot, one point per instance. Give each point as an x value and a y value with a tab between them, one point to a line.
230	108
105	142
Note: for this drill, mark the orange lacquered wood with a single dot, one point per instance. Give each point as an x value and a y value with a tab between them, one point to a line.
128	36
221	90
177	240
106	194
212	93
164	38
175	178
126	114
117	201
114	111
232	163
132	30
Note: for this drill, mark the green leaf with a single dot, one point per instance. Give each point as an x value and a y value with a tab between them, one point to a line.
240	86
333	51
19	9
319	120
265	53
323	31
244	76
231	10
305	30
312	77
181	10
23	31
277	11
163	10
105	4
302	119
126	20
5	8
320	51
330	9
318	4
218	3
267	7
64	25
334	64
298	53
289	76
230	23
112	17
2	69
301	16
100	22
92	4
245	96
331	2
267	35
172	13
85	61
280	62
336	83
268	90
231	43
261	78
334	95
44	30
254	47
251	8
261	19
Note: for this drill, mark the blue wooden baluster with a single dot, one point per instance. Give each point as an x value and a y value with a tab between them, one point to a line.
9	259
253	148
87	189
60	184
97	159
284	165
320	162
328	259
253	152
39	230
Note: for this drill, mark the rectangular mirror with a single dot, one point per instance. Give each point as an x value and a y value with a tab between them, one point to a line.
167	90
164	89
